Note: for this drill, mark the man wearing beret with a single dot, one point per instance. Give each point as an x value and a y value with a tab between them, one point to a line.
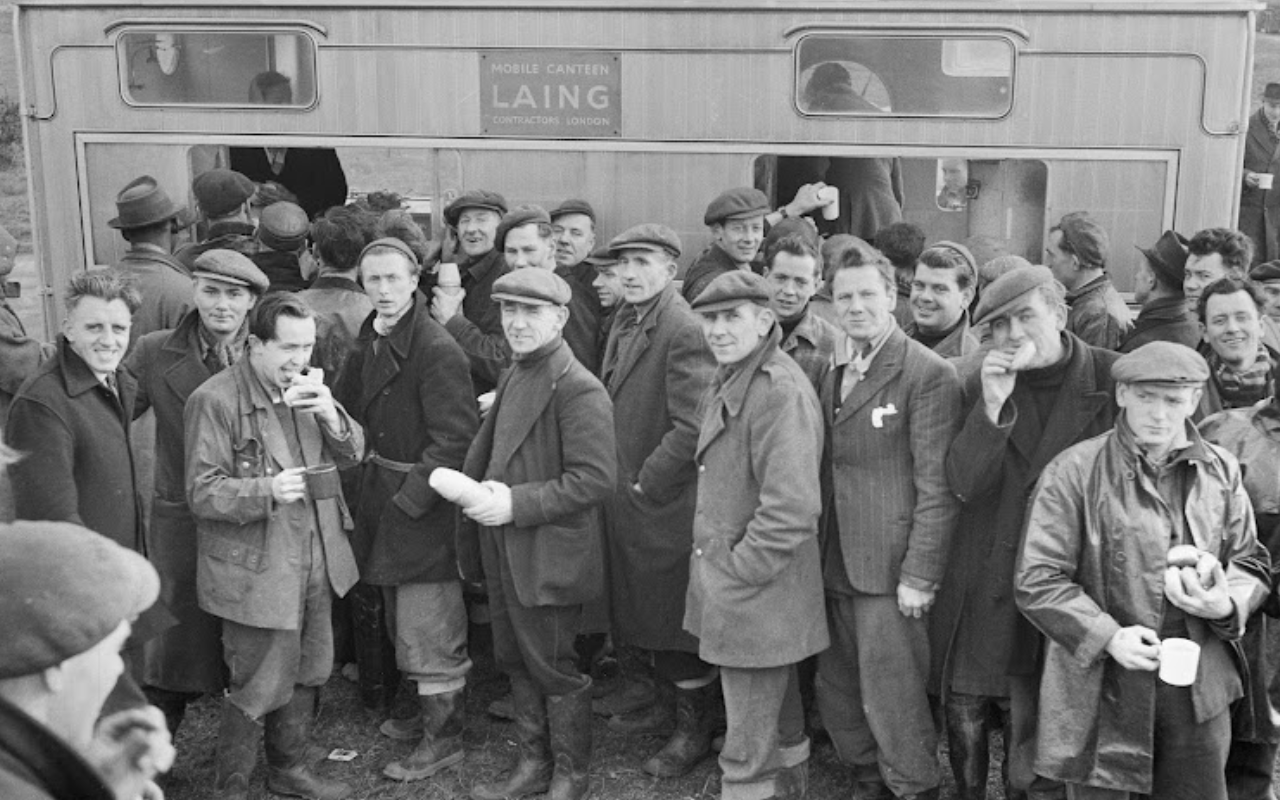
1096	575
1259	204
1038	390
54	675
408	383
1214	254
282	244
1242	368
185	661
1267	278
263	445
736	219
1157	286
148	219
656	368
755	580
470	316
573	223
223	198
1077	252
546	452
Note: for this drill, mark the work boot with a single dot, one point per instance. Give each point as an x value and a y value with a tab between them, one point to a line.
238	739
792	783
569	717
636	686
443	718
590	648
289	769
657	717
967	745
531	774
691	742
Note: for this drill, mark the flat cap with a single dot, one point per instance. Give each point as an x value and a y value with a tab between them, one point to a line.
66	589
1085	238
221	191
229	266
283	226
520	215
574	206
1272	92
476	198
743	201
601	257
534	286
730	290
1161	362
1168	258
647	236
1267	271
1003	291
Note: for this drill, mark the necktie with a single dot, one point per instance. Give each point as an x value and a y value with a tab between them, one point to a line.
110	382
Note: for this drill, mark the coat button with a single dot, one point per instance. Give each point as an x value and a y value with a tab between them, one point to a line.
698	552
702	468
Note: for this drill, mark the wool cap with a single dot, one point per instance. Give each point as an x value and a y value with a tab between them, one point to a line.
998	266
601	257
1085	238
141	203
738	203
221	191
1168	258
520	215
1161	362
66	589
392	243
647	236
534	286
283	226
1003	291
574	206
1267	271
732	289
476	198
1272	92
229	266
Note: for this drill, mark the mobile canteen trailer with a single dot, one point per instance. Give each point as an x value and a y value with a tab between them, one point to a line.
998	117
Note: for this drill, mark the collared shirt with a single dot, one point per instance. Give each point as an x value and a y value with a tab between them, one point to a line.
859	363
627	323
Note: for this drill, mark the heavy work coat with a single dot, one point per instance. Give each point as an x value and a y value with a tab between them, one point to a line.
166	290
1098	314
992	469
1165	319
883	474
478	326
655	389
1093	561
561	464
37	764
168	369
248	569
226	235
1260	208
755	580
414	398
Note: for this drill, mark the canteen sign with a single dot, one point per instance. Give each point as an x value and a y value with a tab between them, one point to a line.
559	93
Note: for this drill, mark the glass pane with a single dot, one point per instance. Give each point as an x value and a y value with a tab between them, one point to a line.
217	68
913	76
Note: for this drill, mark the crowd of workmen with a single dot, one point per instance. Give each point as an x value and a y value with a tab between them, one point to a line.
887	493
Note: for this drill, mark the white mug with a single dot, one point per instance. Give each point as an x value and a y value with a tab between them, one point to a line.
830	195
1179	659
1265	180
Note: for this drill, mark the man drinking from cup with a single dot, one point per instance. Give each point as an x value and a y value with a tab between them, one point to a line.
1137	541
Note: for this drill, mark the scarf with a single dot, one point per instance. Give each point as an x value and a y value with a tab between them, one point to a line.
217	355
1241	389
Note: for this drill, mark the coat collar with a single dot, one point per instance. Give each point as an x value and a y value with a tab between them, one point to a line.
188	369
336	282
728	392
885	366
382	364
1098	284
648	321
480	268
79	379
806	329
539	388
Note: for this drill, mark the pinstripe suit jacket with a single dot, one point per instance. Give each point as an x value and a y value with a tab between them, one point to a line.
885	486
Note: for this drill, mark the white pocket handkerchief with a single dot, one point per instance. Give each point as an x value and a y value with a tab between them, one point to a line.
878	415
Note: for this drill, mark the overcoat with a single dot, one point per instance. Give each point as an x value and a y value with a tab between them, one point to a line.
414	397
1098	314
248	568
168	369
1092	562
755	579
478	327
165	285
226	235
1259	207
37	764
560	460
1166	319
992	469
655	387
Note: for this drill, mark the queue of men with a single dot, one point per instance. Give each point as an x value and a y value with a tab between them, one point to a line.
791	506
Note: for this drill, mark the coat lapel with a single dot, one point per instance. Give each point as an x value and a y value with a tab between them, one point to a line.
256	405
1067	420
525	413
383	363
632	355
187	372
884	368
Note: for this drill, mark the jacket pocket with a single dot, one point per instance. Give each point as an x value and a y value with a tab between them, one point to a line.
234	552
247	458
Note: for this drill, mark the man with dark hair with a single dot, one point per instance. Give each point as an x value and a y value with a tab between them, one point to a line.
223	198
398	223
793	269
901	243
341	305
1077	253
1214	254
941	291
1157	286
1259	204
148	219
1241	367
263	445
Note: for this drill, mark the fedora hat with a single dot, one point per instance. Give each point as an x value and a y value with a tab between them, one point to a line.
143	203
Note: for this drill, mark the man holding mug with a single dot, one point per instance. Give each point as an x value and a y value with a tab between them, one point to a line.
1258	203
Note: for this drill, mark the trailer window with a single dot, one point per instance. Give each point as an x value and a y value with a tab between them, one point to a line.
217	68
904	76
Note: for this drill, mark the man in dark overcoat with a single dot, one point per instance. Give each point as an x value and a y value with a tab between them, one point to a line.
1016	417
223	197
408	384
1260	207
185	661
147	219
656	366
1157	286
546	451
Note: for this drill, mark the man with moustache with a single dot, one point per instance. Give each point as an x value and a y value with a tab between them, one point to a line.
573	224
793	269
1037	391
1157	286
941	290
1214	254
185	661
1241	367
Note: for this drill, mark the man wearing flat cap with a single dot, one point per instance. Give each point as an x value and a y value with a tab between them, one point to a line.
471	315
1259	199
1137	541
282	245
546	452
223	198
1077	252
1267	278
148	220
656	368
70	597
185	661
573	224
736	219
264	442
755	580
1038	390
1157	287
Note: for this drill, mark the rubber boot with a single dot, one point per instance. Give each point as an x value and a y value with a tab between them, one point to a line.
569	717
636	686
967	745
289	769
443	717
657	717
531	774
239	736
691	742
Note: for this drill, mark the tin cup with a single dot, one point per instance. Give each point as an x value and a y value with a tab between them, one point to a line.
1179	659
323	482
448	278
830	195
1265	179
